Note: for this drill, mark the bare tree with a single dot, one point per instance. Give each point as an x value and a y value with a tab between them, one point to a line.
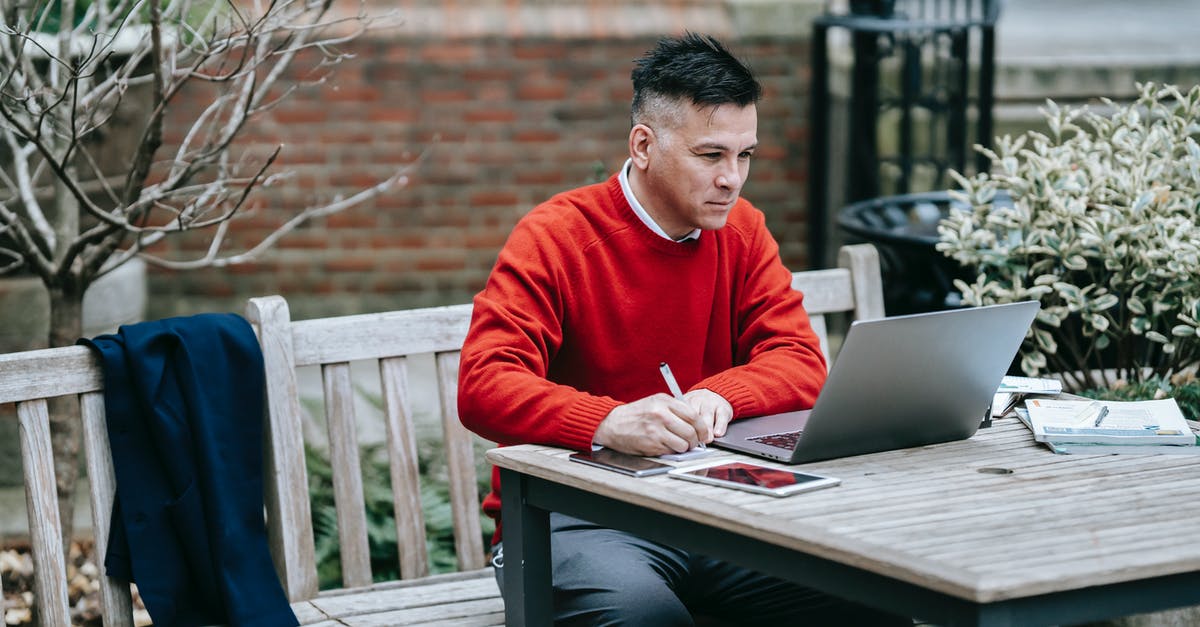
67	67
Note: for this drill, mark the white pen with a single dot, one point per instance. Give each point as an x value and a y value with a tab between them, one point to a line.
672	385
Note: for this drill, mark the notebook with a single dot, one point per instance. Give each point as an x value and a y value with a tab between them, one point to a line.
897	382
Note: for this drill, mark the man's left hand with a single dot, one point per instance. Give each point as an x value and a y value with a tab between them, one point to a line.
713	409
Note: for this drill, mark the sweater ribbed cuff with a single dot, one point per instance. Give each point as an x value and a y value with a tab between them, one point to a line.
743	400
579	425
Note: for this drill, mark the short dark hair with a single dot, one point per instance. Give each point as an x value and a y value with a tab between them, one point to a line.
694	66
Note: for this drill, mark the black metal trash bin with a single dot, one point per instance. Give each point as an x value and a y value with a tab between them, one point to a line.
916	277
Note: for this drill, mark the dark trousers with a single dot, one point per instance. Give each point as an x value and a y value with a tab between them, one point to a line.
608	577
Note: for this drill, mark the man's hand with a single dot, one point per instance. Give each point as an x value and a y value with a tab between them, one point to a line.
712	408
655	425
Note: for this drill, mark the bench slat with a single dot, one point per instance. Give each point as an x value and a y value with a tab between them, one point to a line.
482	612
48	373
402	461
460	457
347	475
437	590
825	291
116	604
285	493
354	338
41	499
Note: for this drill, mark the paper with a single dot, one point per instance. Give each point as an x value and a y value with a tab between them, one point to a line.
1030	385
1002	402
1136	422
686	455
1013	390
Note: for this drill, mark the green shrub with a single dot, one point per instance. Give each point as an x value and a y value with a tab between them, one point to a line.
1100	225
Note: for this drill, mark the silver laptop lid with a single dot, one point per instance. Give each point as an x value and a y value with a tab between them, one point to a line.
912	380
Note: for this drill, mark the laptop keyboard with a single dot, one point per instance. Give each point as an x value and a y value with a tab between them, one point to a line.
786	441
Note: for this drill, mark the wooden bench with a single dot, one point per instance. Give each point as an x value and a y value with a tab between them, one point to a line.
468	597
854	288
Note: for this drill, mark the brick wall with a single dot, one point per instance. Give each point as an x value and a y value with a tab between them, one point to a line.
491	114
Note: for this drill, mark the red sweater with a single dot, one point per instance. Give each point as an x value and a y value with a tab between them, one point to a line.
585	302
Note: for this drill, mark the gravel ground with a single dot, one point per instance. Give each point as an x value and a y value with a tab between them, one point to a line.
83	593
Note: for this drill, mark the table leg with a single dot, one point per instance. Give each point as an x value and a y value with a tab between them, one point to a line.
527	590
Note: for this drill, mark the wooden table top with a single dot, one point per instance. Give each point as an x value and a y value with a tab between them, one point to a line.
990	518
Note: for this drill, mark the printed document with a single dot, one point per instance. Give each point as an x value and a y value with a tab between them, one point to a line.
1109	422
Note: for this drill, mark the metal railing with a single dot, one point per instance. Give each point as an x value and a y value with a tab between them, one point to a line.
920	95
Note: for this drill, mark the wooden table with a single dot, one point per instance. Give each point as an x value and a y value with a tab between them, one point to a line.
994	530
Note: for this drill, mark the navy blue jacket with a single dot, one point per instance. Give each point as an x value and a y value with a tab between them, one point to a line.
184	401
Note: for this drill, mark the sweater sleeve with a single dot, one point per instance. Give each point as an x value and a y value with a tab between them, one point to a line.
778	361
516	329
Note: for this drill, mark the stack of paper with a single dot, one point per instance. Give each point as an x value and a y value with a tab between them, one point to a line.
1013	389
1068	425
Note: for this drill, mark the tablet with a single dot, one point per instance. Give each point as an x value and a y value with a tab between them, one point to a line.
754	478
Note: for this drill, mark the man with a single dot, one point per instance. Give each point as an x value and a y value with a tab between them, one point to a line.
596	287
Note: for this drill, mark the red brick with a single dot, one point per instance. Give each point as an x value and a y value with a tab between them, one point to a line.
350	264
392	114
490	240
542	92
453	53
537	136
490	115
444	95
475	74
493	199
540	51
440	264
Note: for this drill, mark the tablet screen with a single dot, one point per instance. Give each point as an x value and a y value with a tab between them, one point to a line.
751	474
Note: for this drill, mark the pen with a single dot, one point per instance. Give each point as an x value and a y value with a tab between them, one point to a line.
672	384
1100	416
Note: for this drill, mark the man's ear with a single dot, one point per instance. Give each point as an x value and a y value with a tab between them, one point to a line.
641	138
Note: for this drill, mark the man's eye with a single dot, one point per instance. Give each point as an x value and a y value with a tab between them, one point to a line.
745	155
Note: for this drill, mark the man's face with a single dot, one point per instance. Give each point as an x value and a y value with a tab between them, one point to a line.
689	171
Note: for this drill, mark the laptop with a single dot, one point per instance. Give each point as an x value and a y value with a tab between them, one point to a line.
897	382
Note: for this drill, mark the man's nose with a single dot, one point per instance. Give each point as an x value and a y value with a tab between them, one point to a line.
730	176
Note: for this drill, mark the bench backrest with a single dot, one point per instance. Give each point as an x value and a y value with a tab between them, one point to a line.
854	287
30	379
387	339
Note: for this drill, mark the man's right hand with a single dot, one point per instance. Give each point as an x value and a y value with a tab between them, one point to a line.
653	425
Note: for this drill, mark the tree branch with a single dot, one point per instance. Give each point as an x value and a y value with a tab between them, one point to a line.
212	260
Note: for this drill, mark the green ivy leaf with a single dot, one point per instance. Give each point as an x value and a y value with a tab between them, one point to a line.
1045	341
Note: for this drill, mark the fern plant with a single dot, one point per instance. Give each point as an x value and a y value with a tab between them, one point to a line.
380	511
